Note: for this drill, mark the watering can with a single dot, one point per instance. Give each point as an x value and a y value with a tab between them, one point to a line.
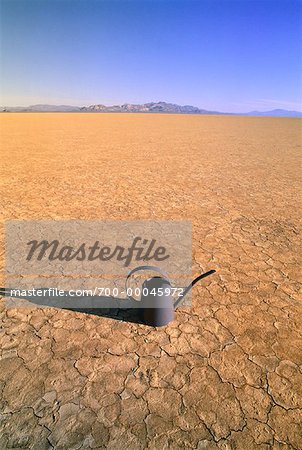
157	303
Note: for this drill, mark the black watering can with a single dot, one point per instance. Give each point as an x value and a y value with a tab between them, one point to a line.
157	303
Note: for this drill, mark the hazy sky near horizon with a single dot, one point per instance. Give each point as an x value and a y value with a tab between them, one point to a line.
226	55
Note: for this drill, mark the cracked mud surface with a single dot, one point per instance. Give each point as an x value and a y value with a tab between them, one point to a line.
227	373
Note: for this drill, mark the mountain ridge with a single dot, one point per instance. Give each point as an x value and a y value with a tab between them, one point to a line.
151	107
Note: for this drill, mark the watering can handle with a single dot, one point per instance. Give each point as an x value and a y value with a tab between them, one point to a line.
140	268
154	268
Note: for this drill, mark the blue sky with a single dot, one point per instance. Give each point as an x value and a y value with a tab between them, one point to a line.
227	55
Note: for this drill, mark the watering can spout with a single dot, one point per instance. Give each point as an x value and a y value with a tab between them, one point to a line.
180	298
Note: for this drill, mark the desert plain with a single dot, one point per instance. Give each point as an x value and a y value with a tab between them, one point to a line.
227	373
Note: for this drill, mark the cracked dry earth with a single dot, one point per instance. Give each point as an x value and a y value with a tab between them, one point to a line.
227	373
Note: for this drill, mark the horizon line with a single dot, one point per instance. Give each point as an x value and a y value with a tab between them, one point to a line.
269	109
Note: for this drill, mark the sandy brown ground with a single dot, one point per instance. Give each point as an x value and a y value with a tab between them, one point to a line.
227	374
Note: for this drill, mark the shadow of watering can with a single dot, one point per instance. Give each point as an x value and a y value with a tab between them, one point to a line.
157	303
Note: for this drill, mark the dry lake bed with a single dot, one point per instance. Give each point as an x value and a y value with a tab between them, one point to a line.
227	373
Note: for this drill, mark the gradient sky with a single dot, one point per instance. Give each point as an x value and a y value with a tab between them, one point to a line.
227	55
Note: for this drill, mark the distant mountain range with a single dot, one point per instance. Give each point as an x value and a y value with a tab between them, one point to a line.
275	113
154	107
41	108
158	107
